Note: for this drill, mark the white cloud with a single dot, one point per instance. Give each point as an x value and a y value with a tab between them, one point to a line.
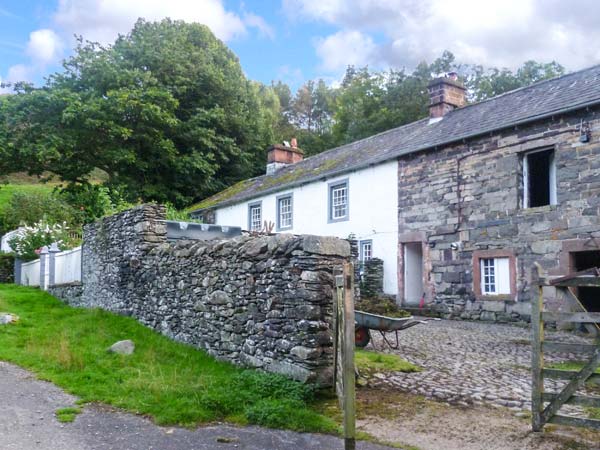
499	33
343	48
18	72
44	46
103	20
253	20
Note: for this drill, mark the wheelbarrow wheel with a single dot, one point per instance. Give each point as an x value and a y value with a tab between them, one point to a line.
361	337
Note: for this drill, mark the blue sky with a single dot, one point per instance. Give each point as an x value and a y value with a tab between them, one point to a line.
296	40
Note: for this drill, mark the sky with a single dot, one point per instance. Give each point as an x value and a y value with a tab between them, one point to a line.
298	40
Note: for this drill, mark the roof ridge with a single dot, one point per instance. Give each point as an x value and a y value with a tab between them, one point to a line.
529	86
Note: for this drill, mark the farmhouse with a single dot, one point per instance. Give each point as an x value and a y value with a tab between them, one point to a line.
458	205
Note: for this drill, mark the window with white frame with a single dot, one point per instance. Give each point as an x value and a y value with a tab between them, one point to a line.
539	178
284	212
495	276
255	217
338	201
366	250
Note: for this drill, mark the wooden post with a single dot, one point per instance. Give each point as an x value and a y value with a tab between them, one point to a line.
537	360
348	360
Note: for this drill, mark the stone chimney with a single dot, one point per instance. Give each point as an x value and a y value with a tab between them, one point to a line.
283	155
445	94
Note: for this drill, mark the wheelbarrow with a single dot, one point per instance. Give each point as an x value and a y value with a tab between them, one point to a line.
365	322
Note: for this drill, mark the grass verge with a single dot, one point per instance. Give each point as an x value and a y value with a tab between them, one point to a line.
370	362
170	382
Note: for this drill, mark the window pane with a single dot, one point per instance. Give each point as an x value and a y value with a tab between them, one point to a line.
366	251
339	201
255	218
488	276
285	212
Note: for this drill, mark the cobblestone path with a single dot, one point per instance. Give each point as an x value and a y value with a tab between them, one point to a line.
471	362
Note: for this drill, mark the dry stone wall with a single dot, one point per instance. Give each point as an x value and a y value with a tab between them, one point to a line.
261	301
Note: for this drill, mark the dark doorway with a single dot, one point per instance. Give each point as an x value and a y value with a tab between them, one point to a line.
589	296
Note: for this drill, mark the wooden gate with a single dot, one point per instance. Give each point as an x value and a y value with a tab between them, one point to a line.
541	414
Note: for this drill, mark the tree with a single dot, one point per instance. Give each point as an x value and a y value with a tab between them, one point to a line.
486	83
166	112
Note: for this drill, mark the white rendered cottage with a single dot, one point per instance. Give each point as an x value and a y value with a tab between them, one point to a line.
360	203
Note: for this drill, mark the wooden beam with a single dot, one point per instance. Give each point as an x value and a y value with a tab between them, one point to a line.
593	272
575	317
563	347
558	374
574	384
575	400
537	361
575	422
580	281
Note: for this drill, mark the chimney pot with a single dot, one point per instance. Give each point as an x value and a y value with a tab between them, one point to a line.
294	143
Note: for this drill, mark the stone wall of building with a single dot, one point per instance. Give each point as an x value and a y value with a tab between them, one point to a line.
466	201
261	301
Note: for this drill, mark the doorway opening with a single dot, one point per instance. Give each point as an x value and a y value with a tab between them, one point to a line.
413	273
589	296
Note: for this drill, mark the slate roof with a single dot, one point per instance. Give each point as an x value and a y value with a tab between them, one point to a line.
543	99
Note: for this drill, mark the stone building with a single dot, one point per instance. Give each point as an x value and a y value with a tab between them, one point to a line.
479	193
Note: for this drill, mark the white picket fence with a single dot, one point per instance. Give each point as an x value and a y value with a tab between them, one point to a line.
30	273
67	266
67	269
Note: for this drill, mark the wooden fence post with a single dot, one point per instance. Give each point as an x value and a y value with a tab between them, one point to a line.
537	358
348	360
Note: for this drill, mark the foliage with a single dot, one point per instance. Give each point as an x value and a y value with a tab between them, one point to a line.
167	115
179	215
171	382
7	261
27	206
30	239
486	83
382	306
93	201
165	111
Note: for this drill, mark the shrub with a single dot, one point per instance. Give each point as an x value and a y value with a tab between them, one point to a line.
30	239
93	201
31	207
7	261
179	214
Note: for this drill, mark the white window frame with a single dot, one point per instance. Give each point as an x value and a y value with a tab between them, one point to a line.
495	275
282	222
256	206
551	177
333	202
363	253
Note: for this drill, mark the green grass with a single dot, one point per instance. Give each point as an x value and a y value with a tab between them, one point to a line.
372	362
170	382
7	190
66	415
569	365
